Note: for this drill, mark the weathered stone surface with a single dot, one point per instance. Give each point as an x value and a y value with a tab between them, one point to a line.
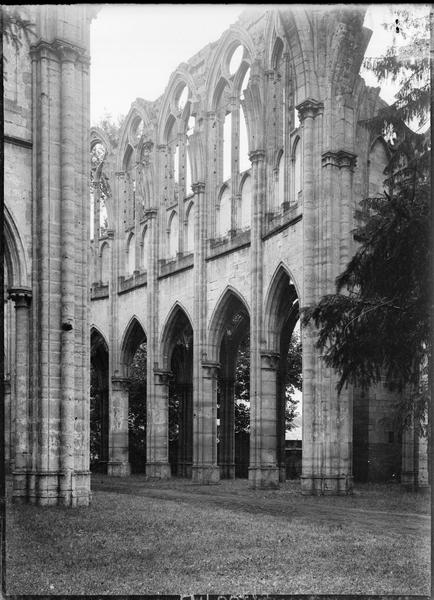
286	193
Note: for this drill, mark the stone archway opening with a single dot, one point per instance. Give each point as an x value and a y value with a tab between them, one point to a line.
135	365
99	402
233	393
282	323
180	357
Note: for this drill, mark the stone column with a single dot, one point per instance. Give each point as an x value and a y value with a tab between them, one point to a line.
59	395
157	464
157	389
227	431
205	468
263	470
118	465
22	298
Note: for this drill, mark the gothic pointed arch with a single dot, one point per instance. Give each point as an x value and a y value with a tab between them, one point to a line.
281	303
219	62
133	336
179	80
15	259
132	129
177	329
230	302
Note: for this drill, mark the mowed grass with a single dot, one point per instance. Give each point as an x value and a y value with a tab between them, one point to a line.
176	538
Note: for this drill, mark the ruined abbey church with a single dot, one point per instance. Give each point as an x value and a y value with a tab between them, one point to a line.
222	208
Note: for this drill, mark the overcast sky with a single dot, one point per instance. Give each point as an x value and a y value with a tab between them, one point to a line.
135	48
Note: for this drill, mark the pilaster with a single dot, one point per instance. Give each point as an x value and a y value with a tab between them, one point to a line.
118	464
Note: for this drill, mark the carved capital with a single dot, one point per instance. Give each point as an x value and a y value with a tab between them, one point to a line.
68	52
120	174
257	156
211	369
198	187
120	384
150	213
162	376
21	296
340	159
270	360
309	108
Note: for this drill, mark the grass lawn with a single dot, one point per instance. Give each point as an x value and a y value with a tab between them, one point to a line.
143	537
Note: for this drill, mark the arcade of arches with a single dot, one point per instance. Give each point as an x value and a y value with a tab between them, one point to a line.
224	206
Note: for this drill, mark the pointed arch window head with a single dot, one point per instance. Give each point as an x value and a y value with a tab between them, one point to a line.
246	203
224	213
137	130
236	59
182	98
173	235
244	83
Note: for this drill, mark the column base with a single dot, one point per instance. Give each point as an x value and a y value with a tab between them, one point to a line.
282	473
227	471
158	470
118	468
328	485
43	489
264	478
206	474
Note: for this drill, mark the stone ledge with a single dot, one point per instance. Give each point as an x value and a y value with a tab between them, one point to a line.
99	291
230	243
180	263
282	221
138	279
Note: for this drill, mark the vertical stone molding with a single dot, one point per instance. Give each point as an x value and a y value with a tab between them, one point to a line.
262	469
118	464
157	464
205	468
22	299
266	473
227	430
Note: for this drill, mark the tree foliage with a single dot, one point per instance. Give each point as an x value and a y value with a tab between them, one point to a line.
377	324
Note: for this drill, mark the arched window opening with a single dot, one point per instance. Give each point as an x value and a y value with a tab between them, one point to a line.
227	147
224	213
180	355
189	238
183	98
245	83
246	203
244	144
131	255
137	130
297	166
99	403
144	257
191	125
233	392
236	59
173	235
277	54
99	191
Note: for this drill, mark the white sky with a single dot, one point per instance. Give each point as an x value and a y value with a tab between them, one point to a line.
135	48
